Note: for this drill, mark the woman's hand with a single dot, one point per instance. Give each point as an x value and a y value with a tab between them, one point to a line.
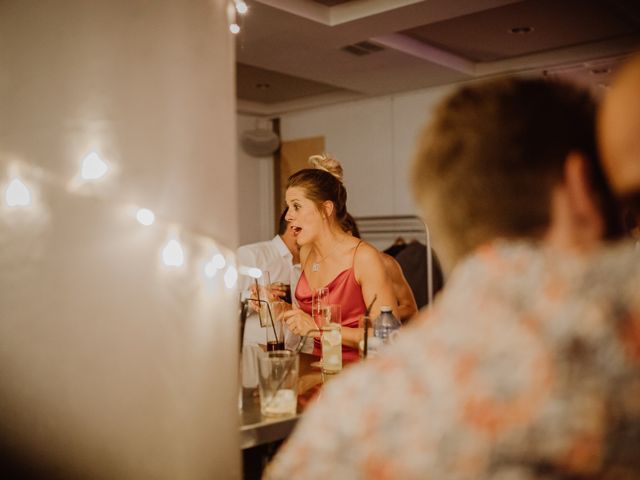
277	291
269	294
299	322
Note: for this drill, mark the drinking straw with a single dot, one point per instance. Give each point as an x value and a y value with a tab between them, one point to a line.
243	319
366	326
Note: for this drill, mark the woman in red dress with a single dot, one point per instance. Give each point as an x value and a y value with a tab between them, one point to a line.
349	268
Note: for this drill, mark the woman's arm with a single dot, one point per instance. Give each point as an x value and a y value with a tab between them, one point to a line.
407	306
373	279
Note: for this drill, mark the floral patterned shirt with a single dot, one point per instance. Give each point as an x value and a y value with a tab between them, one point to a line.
527	367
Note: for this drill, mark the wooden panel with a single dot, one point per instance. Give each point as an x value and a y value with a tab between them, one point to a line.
293	156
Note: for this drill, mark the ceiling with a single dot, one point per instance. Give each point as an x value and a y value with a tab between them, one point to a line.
295	54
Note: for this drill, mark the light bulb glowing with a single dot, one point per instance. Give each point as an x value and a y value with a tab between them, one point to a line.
145	216
17	194
241	7
93	167
254	272
172	254
234	28
218	261
231	277
210	270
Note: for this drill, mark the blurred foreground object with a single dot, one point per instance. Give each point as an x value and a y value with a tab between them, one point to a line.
118	337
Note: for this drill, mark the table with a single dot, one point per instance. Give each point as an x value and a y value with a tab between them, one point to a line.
258	430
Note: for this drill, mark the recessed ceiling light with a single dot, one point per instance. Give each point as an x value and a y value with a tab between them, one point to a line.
521	30
262	86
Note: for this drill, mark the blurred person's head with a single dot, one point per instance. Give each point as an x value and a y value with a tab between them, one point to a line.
512	158
317	202
619	136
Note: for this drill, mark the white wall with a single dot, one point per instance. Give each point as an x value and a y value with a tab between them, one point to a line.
256	191
375	140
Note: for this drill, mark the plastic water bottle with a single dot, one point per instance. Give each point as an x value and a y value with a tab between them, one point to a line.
386	326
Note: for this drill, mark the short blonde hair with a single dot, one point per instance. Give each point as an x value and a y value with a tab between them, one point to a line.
487	163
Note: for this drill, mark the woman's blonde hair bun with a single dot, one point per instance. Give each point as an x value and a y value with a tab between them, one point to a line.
328	163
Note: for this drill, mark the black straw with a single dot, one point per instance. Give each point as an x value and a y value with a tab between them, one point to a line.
273	326
365	347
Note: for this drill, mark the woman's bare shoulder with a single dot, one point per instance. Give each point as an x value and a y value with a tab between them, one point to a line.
367	253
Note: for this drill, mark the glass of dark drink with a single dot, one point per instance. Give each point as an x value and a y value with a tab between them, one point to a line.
275	328
287	293
286	288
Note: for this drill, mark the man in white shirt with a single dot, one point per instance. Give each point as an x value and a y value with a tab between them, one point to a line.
278	256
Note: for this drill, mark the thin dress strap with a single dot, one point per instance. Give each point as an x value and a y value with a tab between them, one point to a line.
353	260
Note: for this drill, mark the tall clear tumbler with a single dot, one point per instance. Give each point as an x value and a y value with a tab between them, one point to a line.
319	301
331	341
278	383
261	292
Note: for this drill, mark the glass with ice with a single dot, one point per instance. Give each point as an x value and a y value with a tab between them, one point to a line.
331	340
278	383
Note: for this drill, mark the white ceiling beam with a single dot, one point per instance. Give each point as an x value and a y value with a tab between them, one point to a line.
359	9
302	8
424	51
355	10
338	14
306	103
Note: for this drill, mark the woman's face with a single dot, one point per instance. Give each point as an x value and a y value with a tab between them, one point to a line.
303	215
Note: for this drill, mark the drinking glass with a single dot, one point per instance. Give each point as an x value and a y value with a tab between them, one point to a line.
331	341
319	301
261	293
278	383
287	291
275	330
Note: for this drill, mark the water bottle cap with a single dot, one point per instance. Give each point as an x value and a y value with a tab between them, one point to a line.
385	308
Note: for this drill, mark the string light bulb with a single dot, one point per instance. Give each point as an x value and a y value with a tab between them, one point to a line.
231	277
93	167
17	194
252	272
145	216
173	254
241	7
218	261
234	28
210	270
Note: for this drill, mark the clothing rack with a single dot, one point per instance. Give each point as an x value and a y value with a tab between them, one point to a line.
383	231
377	229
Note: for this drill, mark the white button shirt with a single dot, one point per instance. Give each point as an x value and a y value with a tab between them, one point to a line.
272	256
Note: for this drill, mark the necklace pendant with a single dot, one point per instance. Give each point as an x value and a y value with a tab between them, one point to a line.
315	267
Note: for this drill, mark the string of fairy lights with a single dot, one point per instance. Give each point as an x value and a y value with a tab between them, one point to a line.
235	11
19	196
